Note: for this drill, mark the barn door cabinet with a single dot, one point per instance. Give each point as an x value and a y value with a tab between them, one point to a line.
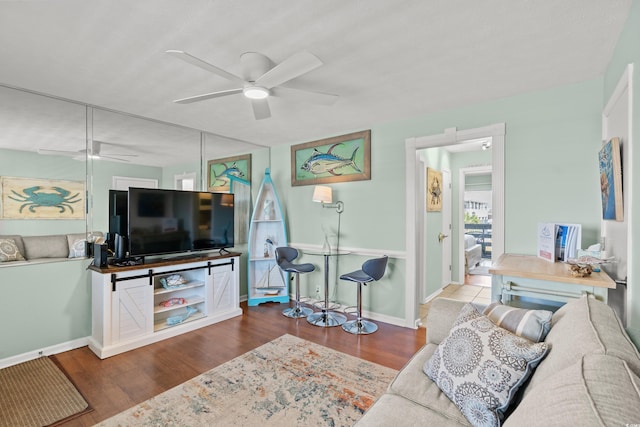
139	305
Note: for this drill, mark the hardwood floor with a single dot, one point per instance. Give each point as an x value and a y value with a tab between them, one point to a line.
119	382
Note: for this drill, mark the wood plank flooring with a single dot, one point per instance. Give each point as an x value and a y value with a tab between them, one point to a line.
119	382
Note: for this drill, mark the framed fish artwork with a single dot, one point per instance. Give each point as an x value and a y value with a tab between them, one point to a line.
219	172
611	180
338	159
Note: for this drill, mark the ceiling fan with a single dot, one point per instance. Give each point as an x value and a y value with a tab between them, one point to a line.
261	79
95	152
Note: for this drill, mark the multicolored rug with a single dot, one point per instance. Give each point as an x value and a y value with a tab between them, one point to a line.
286	382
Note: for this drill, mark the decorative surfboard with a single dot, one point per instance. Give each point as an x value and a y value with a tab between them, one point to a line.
266	282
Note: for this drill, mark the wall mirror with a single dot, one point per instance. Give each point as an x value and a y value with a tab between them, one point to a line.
41	139
48	138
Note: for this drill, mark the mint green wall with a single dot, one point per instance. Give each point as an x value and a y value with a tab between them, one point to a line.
44	305
628	51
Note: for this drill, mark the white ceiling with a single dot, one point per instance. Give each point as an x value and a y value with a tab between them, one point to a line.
387	60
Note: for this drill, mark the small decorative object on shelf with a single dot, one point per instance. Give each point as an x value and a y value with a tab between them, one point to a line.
269	210
174	320
580	270
172	281
173	301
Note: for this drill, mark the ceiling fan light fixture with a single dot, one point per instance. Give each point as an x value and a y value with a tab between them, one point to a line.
255	92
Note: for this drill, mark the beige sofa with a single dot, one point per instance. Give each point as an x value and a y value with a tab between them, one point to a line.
38	249
590	376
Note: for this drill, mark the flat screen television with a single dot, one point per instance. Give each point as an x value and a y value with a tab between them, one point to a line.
169	221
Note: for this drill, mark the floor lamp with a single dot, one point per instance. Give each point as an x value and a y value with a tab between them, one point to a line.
323	194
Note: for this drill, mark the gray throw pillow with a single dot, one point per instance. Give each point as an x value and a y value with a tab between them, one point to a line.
9	251
480	366
533	325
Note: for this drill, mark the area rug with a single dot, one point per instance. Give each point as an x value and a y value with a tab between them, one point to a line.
286	382
37	393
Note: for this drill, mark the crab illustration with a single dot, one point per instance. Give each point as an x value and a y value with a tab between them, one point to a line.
35	198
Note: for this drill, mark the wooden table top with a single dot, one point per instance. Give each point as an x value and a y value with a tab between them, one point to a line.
532	267
163	262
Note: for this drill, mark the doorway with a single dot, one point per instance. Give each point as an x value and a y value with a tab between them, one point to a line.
476	223
415	225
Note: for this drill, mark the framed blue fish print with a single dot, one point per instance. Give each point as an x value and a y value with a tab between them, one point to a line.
611	180
219	171
338	159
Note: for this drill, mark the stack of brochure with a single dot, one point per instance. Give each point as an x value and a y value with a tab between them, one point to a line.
558	242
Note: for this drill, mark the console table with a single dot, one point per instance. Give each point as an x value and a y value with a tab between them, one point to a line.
530	276
134	306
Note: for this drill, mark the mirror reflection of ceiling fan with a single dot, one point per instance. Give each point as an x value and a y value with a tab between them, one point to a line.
95	151
261	79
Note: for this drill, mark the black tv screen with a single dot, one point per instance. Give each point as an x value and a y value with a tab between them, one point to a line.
168	221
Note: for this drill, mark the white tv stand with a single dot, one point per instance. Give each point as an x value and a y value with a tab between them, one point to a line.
127	302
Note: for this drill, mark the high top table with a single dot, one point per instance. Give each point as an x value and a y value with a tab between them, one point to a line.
326	318
530	276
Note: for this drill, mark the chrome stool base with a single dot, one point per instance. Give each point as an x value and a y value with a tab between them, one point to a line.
326	319
360	327
297	312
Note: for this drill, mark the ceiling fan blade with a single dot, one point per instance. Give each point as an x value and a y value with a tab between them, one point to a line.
57	152
118	159
117	155
207	96
204	65
305	95
261	109
292	67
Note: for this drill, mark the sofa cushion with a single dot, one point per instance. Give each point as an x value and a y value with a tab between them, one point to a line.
480	366
77	244
396	411
442	315
597	390
9	251
583	326
412	384
54	246
533	325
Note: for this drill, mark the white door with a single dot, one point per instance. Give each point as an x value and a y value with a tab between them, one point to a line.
131	310
446	227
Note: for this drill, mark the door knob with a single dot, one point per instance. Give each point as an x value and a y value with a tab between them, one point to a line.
441	237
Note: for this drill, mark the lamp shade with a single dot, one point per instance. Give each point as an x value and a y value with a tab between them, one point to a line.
322	194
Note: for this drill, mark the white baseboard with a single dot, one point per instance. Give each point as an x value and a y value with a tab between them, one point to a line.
47	351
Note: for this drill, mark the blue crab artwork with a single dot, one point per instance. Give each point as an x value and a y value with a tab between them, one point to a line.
35	197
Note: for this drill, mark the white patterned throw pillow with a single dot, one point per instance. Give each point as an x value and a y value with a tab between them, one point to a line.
480	366
9	251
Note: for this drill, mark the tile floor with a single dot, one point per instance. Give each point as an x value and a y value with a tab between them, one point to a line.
467	293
